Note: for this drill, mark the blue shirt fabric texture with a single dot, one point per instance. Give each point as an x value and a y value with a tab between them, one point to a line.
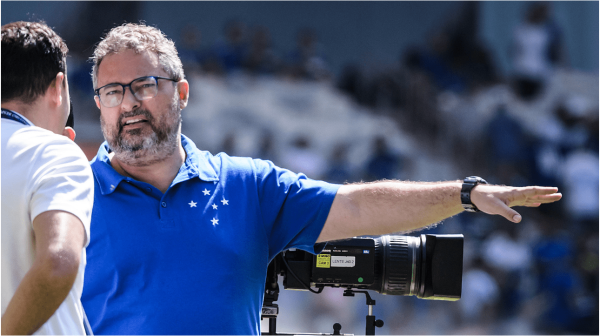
193	260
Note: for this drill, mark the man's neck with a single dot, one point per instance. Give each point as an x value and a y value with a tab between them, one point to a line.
160	174
31	112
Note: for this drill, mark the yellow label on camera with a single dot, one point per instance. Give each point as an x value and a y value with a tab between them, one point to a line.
323	260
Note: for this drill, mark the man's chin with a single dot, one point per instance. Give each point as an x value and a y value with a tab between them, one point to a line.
134	140
124	145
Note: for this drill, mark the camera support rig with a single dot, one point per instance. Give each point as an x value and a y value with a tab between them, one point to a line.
371	320
270	310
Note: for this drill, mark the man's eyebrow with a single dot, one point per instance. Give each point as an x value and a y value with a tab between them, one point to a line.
157	76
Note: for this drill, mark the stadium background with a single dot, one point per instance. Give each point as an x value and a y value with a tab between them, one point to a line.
350	91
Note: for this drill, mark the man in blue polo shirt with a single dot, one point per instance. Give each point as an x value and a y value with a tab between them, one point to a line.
181	239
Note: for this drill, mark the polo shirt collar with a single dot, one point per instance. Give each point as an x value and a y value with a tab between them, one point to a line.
197	164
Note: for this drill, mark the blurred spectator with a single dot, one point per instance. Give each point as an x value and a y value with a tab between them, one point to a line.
228	145
480	294
266	147
593	140
559	282
510	256
588	303
481	70
353	82
509	153
505	251
86	28
307	61
261	59
383	164
338	166
580	181
536	51
302	158
571	113
229	53
189	49
421	113
433	61
385	90
455	59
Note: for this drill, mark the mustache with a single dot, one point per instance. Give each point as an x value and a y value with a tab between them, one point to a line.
135	113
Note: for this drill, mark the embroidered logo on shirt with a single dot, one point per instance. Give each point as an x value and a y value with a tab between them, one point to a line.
214	206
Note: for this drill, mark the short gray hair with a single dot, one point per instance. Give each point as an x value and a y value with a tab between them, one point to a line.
139	38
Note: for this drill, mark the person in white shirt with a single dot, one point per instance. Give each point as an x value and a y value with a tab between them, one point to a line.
47	188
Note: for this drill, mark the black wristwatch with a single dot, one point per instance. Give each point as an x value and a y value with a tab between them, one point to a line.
465	193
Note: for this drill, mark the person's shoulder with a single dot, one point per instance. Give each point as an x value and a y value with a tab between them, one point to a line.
241	165
47	142
229	162
38	134
242	161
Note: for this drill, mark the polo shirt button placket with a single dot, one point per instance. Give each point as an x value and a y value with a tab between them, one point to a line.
163	204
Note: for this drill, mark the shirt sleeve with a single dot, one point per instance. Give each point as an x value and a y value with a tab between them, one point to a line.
63	181
294	208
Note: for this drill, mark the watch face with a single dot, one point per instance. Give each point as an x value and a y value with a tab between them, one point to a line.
471	179
474	179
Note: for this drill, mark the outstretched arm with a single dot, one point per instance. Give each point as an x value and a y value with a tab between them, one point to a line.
393	206
59	238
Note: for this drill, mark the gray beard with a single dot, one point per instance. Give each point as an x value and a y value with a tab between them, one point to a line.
137	150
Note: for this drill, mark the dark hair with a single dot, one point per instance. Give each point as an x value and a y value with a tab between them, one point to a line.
32	55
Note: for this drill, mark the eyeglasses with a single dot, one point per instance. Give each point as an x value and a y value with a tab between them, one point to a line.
143	88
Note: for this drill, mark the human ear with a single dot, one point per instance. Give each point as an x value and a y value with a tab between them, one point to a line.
55	89
97	100
183	89
69	133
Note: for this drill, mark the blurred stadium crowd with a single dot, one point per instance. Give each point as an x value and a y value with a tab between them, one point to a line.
442	112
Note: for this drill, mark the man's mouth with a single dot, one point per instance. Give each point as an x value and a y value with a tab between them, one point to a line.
134	121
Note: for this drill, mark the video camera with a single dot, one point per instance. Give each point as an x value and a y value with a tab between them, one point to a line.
428	266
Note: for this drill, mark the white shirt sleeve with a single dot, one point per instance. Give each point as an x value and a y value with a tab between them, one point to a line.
62	180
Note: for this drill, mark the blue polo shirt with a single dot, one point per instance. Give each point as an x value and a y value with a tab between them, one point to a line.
193	260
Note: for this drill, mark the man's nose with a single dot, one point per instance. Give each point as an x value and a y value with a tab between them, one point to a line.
130	102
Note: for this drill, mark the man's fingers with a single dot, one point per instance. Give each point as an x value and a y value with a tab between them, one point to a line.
542	199
507	212
531	196
537	191
547	198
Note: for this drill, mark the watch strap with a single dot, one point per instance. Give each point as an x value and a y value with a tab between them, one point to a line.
465	193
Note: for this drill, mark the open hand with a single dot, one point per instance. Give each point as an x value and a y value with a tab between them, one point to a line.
498	200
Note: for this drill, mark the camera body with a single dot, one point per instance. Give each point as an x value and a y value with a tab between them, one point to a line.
428	266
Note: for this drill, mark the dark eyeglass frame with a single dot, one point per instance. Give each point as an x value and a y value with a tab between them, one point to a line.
124	86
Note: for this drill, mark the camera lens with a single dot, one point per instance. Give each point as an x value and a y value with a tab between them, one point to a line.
429	266
396	265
